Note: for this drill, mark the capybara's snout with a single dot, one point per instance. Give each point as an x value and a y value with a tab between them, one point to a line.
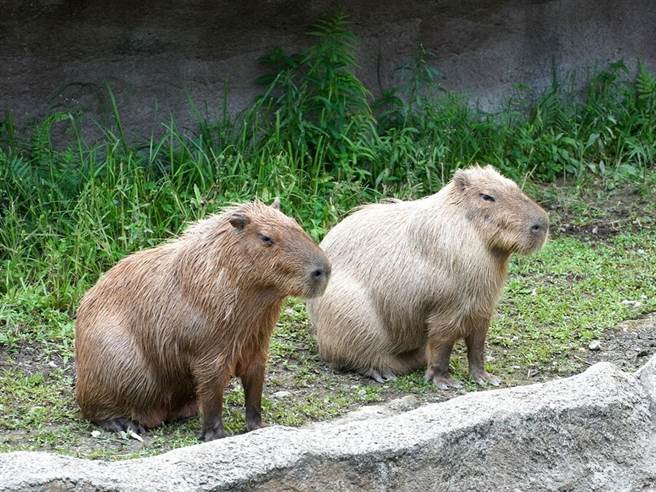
538	229
540	225
318	276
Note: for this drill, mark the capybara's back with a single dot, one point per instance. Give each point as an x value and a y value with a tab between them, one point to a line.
410	278
162	332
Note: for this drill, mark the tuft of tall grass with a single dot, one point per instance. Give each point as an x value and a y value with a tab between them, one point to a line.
316	137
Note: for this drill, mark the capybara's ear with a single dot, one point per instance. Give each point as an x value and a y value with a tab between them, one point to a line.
276	203
239	220
461	180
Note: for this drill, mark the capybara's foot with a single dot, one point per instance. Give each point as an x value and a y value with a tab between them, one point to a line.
483	378
446	382
380	376
441	380
254	425
121	424
212	433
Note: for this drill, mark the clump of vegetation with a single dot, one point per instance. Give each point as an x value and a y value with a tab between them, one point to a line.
322	142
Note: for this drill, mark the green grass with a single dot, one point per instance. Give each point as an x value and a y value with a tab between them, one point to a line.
572	293
554	304
71	208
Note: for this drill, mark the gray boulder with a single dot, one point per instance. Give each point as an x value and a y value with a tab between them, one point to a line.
593	431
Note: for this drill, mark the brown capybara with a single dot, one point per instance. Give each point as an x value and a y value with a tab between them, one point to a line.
411	278
161	333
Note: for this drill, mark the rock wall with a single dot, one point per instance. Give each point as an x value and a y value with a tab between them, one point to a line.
594	431
157	55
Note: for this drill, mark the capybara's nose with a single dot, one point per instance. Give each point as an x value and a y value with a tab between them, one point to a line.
321	272
540	225
318	273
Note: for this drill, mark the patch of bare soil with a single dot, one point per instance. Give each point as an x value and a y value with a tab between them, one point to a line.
624	210
30	360
629	345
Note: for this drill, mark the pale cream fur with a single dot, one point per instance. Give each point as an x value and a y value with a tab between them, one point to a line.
411	277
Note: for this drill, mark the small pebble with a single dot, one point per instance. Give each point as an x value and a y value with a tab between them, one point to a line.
595	345
95	433
281	394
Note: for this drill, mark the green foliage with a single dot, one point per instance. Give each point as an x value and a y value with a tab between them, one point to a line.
315	107
316	137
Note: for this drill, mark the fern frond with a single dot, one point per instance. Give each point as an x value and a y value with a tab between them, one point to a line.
645	85
41	141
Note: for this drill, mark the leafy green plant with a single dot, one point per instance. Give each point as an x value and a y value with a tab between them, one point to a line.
316	137
316	106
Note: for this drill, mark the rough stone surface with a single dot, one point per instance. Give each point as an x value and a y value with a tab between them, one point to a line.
647	376
157	54
594	431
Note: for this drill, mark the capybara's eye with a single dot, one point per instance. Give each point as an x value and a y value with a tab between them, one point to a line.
266	239
488	198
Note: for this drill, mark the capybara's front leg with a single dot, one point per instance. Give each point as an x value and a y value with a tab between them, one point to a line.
210	402
438	353
253	380
476	355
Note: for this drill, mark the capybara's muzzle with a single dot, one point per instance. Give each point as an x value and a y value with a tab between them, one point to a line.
540	225
319	275
539	229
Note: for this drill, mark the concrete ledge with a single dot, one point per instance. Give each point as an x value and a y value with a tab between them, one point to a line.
589	432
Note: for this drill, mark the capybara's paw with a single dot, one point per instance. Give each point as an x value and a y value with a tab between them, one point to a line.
121	424
446	382
211	434
483	378
380	376
442	381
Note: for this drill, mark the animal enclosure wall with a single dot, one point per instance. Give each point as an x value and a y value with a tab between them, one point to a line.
158	55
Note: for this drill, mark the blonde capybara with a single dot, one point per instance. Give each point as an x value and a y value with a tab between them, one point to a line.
161	333
410	278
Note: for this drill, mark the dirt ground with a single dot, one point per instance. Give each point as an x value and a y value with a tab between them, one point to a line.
629	346
300	388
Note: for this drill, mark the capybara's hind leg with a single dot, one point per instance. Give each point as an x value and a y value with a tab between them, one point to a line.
396	365
413	359
121	424
349	332
111	387
380	377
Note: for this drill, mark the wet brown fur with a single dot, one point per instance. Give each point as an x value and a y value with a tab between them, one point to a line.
161	333
411	278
